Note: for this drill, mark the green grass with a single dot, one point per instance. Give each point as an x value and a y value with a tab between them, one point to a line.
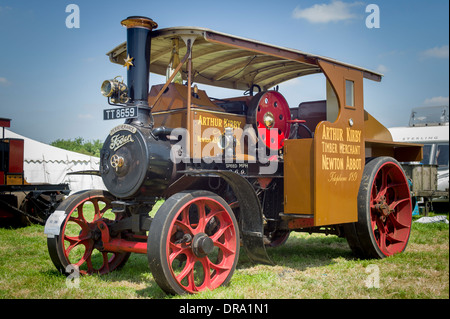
307	266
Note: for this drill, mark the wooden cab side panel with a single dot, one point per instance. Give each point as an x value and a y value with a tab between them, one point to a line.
323	174
339	150
299	176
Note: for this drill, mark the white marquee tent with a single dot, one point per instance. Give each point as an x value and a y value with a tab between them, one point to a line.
44	163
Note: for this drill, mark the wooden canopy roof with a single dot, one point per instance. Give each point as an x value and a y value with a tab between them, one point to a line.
229	61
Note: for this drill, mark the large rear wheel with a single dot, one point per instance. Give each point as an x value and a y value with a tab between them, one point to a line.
384	211
193	243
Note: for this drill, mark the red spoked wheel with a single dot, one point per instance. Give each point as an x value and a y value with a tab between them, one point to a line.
269	112
384	211
193	243
78	240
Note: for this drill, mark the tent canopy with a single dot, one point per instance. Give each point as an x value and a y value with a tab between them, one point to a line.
46	164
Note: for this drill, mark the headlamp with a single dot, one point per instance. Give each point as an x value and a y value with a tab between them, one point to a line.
116	90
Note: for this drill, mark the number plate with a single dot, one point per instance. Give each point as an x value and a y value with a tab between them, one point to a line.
54	222
120	113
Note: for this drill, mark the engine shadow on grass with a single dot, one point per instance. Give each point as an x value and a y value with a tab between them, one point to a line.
137	272
302	251
299	252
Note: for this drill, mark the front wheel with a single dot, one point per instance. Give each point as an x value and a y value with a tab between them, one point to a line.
77	239
384	211
193	243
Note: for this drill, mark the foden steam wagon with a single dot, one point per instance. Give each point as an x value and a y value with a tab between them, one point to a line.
237	172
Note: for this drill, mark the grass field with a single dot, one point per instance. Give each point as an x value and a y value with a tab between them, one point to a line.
307	267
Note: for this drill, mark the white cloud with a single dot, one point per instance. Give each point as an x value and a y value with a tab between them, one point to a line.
324	13
437	101
382	69
437	52
4	81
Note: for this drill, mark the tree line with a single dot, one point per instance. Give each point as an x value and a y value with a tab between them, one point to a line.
79	145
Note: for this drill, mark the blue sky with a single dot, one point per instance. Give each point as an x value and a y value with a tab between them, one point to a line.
50	75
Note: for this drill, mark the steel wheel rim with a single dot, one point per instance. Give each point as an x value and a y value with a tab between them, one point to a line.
79	236
390	209
192	270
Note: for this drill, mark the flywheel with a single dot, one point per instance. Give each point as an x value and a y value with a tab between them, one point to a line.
269	113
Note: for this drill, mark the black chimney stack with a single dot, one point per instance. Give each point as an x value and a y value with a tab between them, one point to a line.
138	59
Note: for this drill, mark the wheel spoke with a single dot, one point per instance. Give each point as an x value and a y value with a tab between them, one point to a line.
184	223
394	240
80	214
106	208
79	220
206	274
211	215
396	223
396	185
225	248
188	269
382	235
87	257
220	267
71	246
201	206
400	232
105	266
75	241
191	281
386	182
177	250
385	171
98	214
394	204
90	267
222	230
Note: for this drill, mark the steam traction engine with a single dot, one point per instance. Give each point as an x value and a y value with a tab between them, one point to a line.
241	171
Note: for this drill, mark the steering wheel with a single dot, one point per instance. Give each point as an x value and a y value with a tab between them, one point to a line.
297	124
250	90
